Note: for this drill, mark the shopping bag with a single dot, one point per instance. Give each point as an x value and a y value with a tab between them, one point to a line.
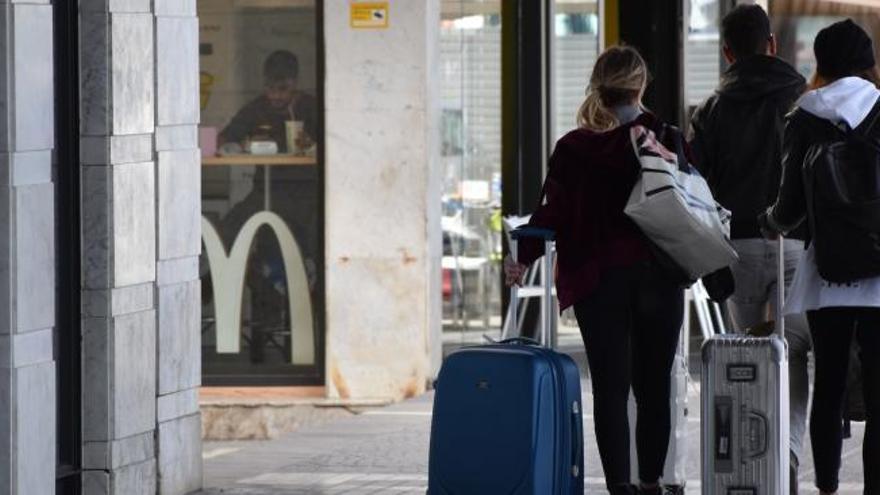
672	204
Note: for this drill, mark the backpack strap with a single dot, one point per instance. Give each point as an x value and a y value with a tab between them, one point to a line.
674	133
867	125
806	118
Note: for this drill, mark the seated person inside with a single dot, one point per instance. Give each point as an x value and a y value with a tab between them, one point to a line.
264	117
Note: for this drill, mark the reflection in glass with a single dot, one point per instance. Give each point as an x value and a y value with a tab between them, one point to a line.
796	25
575	49
470	70
702	51
260	191
795	35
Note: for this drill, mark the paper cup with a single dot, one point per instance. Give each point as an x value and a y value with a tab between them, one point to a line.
208	140
293	129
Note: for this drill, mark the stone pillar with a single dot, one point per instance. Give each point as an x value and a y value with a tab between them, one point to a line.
178	199
27	249
119	247
382	230
141	243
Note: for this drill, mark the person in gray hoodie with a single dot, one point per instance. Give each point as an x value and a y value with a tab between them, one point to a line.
845	95
736	137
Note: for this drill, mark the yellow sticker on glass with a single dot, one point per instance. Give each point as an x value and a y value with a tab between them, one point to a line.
369	15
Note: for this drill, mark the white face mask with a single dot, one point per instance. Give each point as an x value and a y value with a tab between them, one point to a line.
627	113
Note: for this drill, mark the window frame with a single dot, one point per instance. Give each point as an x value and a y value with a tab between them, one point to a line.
297	375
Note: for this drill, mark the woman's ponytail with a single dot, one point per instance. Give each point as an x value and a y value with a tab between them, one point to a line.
618	78
594	115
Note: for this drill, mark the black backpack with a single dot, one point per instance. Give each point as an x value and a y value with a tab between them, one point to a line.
842	185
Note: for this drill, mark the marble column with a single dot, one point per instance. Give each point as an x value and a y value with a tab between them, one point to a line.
27	249
383	244
141	242
178	200
119	247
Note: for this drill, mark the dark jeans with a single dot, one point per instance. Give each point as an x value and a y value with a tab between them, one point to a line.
630	326
832	330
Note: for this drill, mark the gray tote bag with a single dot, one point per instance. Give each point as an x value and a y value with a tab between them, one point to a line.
672	204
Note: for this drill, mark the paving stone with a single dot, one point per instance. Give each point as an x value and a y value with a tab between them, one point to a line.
386	451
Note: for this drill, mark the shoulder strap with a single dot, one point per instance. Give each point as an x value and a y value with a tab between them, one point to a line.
677	136
870	121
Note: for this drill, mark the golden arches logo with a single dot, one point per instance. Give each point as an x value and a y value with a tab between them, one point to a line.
227	274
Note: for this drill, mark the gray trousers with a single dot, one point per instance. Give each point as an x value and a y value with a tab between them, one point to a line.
754	301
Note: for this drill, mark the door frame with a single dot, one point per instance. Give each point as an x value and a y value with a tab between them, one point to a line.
295	375
68	349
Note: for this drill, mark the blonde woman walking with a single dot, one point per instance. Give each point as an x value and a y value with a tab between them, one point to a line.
628	308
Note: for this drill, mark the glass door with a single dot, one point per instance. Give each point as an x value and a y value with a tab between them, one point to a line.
575	49
470	82
67	245
702	53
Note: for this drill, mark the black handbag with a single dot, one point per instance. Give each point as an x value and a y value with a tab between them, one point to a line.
719	284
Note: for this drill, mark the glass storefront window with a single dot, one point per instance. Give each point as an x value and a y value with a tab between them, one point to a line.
575	49
702	51
795	36
470	57
796	25
261	192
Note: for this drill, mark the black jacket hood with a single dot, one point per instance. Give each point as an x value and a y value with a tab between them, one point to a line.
757	77
737	138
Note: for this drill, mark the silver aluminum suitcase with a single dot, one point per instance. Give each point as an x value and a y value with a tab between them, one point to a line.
745	430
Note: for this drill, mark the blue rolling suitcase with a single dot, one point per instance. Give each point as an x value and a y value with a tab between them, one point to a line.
507	420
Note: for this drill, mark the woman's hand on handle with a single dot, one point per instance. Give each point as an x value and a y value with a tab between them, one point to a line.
765	224
513	271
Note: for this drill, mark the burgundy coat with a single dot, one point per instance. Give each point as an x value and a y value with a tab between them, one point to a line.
589	180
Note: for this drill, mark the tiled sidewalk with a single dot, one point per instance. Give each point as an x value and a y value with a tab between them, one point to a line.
385	451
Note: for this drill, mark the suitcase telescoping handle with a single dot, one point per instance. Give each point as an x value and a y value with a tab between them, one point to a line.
546	312
780	287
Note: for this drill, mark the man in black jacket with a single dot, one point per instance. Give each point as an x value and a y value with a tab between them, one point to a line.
736	137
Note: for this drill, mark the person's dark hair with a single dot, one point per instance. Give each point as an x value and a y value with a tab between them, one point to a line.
871	75
746	31
280	66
